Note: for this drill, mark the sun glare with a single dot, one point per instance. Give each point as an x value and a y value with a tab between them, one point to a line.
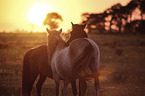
38	12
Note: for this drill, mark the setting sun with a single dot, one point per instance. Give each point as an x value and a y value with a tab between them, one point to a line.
38	12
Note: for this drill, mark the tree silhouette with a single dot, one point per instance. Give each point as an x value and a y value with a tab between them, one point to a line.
142	8
52	20
131	6
95	22
117	18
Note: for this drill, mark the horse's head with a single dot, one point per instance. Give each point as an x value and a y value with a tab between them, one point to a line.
53	40
78	27
77	32
54	35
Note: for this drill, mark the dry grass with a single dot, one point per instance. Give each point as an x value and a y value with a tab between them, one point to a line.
122	65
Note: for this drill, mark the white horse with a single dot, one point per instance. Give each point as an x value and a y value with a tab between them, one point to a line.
79	60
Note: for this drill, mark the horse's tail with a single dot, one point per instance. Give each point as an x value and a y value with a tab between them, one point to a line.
83	61
26	74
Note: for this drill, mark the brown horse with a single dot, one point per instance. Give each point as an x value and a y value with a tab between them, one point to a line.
36	63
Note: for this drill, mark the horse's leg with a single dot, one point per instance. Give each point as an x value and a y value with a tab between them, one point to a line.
57	83
74	88
28	84
97	85
82	87
96	80
39	84
33	78
64	89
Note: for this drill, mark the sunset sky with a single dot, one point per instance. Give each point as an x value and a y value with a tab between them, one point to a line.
21	14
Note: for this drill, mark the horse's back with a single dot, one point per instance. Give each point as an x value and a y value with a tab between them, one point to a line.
86	55
81	43
28	53
41	49
78	46
40	52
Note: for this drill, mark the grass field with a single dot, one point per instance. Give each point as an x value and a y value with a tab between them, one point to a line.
122	66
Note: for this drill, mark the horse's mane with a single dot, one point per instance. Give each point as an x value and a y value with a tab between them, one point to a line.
62	44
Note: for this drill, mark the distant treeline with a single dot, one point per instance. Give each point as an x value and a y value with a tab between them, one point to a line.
117	19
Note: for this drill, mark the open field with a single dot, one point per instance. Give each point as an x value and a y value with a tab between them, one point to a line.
122	66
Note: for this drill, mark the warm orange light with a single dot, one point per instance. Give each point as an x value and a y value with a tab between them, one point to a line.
38	13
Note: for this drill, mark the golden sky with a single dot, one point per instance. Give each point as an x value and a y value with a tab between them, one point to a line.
22	12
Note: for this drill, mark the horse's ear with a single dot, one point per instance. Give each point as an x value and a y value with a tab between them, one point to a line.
72	23
84	26
48	31
60	30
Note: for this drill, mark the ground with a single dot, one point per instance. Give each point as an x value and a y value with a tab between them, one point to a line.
122	66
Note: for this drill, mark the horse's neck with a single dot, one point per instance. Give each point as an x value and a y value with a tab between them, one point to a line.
78	31
77	34
61	46
49	54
